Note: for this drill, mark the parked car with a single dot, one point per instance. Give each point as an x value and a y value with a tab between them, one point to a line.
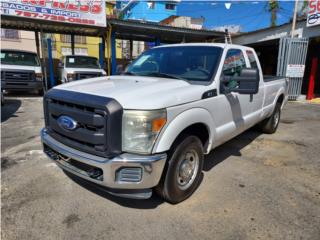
77	67
151	127
21	70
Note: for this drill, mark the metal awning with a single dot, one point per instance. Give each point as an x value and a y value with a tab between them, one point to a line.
124	29
140	31
29	24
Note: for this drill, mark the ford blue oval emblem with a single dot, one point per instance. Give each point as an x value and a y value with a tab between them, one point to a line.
67	123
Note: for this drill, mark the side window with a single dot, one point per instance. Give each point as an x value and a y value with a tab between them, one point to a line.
233	63
252	59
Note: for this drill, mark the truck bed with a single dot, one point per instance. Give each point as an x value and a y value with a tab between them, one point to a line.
269	78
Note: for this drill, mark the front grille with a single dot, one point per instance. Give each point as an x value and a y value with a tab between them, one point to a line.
17	75
85	75
90	135
94	133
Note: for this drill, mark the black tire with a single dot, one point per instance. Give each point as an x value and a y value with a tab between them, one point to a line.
270	124
40	92
186	147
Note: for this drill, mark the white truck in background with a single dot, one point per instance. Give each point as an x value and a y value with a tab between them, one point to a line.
150	128
78	67
21	71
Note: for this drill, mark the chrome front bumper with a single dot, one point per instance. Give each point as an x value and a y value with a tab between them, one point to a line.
151	166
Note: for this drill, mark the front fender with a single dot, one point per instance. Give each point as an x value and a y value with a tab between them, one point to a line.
181	122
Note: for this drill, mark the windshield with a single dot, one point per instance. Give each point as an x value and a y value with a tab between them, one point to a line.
82	62
191	63
19	58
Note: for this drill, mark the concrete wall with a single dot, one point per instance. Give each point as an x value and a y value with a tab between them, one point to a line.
277	32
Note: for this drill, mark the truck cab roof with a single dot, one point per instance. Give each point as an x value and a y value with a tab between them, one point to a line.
222	45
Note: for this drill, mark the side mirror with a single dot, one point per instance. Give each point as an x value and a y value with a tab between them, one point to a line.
60	65
246	83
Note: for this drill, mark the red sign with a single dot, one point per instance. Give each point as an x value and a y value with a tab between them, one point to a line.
87	12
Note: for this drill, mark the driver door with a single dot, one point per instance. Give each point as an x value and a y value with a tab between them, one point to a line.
241	104
232	108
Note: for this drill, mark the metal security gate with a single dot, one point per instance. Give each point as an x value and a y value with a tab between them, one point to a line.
292	51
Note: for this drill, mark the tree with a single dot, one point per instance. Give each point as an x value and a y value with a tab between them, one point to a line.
273	8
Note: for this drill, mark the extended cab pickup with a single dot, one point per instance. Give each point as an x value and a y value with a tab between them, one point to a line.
21	70
77	67
151	127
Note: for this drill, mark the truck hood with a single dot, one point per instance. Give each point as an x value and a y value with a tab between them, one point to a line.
135	92
37	69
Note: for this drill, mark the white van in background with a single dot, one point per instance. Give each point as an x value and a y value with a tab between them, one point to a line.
21	71
77	67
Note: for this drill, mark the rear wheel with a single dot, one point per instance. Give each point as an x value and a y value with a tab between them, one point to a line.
183	170
270	124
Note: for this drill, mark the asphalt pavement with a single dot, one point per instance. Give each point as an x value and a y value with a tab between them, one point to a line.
255	186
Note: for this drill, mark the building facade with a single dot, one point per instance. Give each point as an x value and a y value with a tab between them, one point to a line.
15	39
146	11
84	45
61	44
149	11
184	22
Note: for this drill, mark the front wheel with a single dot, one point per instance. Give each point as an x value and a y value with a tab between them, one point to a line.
270	124
183	172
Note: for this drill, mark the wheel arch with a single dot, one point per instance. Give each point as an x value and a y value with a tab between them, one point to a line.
280	97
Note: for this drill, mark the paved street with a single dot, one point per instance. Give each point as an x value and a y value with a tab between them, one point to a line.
256	186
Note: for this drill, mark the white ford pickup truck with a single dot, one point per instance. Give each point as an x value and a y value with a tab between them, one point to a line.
78	67
150	128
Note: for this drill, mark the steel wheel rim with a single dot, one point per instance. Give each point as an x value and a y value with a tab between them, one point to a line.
187	169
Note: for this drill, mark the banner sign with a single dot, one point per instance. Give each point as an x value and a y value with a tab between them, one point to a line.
295	70
313	13
84	12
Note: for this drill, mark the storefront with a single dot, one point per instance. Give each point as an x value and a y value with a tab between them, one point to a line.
267	43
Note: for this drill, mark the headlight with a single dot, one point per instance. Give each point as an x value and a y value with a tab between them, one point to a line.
39	76
140	129
71	77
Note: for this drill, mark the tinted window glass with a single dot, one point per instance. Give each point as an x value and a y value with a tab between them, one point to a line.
82	62
188	63
19	58
252	59
233	63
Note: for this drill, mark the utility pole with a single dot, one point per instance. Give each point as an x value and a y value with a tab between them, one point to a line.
294	17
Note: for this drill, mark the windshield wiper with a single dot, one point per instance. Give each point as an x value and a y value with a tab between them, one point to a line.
164	75
129	73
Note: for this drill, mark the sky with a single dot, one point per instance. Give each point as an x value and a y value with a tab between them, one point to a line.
251	15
